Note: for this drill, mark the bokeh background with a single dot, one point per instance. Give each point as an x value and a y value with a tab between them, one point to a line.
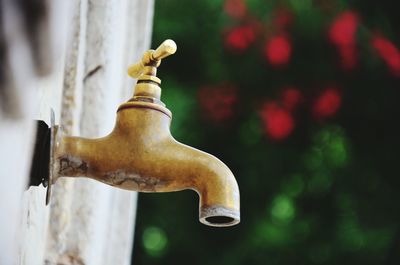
300	98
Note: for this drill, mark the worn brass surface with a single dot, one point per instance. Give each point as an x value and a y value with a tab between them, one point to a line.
140	154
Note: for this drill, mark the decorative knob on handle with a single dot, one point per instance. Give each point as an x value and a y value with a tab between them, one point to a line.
151	60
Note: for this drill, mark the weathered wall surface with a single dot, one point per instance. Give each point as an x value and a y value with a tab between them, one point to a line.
86	222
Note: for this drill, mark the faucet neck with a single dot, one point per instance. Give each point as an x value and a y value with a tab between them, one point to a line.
147	88
147	95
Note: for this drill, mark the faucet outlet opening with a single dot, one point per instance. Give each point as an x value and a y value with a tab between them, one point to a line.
220	219
219	216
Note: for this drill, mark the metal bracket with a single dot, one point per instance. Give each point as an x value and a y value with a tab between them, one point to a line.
41	156
42	160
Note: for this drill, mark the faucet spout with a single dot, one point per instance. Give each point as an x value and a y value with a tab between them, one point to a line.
219	203
140	154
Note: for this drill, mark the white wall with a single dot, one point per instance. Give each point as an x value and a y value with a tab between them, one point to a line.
87	222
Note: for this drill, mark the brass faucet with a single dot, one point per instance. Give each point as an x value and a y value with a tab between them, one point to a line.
140	153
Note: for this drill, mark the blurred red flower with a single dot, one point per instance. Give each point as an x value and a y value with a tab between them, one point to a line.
278	123
327	103
278	50
235	8
218	102
388	52
342	33
291	98
240	38
343	29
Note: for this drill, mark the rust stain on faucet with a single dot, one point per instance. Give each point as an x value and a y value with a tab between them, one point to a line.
70	165
140	153
133	181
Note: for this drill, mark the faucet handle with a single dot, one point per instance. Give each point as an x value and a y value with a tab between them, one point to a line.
167	48
151	60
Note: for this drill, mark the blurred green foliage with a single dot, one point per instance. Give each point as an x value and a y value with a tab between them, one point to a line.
326	191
